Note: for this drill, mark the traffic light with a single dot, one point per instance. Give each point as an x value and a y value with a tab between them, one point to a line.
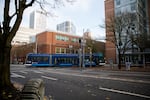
80	40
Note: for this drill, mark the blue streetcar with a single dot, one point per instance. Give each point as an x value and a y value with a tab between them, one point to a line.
60	60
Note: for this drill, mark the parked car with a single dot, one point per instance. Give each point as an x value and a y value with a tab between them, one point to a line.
102	63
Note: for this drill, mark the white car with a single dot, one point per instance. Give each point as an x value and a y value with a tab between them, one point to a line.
102	63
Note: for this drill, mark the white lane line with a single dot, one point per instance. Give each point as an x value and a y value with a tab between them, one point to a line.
126	80
124	92
50	78
100	77
23	72
38	72
17	75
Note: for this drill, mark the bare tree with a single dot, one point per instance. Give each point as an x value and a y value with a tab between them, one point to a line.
119	30
95	46
8	28
18	52
142	41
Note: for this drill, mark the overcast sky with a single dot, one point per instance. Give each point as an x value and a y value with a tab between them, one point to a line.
85	14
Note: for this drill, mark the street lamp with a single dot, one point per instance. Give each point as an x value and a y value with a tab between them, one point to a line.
80	57
82	42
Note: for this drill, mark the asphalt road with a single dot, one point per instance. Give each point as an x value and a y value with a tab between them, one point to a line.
86	84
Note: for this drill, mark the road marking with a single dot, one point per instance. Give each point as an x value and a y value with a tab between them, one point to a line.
101	77
124	92
38	72
50	78
127	80
17	75
23	72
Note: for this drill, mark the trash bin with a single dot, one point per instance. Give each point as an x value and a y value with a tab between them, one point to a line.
111	63
128	65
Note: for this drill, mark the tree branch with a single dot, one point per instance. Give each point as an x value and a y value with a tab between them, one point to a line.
6	22
16	3
16	9
0	30
19	13
30	3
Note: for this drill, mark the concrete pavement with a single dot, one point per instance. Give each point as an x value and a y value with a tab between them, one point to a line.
107	67
98	68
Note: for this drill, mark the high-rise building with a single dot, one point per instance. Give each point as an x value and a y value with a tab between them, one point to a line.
140	9
87	34
37	20
148	14
136	7
67	27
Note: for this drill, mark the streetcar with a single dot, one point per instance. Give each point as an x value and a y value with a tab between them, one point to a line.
33	59
60	60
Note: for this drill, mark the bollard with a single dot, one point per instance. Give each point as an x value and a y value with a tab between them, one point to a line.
128	65
33	89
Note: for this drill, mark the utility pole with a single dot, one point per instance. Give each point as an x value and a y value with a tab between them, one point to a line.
83	50
80	58
90	56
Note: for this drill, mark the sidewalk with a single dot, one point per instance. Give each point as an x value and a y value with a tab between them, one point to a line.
107	67
123	68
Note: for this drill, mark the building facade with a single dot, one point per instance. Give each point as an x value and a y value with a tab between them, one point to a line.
67	27
25	35
23	43
139	25
87	34
52	42
110	49
137	7
148	10
37	20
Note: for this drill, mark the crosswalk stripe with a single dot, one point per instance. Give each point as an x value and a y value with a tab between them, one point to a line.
50	78
23	72
17	75
38	72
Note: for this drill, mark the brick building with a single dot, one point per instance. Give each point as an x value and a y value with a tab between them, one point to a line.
110	50
57	42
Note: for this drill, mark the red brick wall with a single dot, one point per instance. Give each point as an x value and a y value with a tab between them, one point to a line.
110	51
47	42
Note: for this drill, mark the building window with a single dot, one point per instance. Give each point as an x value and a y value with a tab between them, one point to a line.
133	6
57	37
117	2
62	38
118	12
66	39
57	50
74	40
63	50
60	50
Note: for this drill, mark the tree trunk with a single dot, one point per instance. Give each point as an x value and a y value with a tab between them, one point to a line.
119	58
5	65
